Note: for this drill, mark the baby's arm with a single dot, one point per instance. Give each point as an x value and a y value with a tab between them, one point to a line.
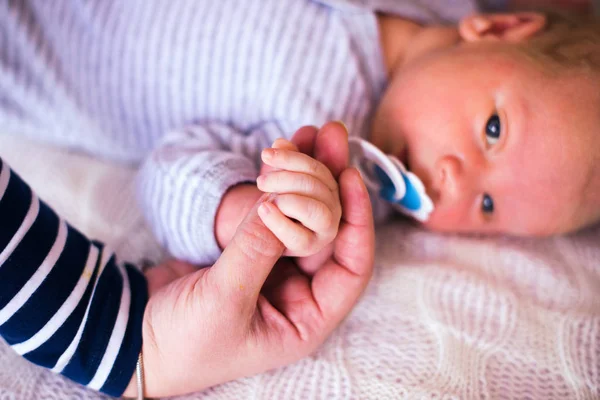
575	6
306	212
198	184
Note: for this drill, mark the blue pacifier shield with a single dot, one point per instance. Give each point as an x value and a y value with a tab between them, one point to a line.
411	198
388	177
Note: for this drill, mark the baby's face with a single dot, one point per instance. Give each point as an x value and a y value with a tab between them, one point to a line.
500	146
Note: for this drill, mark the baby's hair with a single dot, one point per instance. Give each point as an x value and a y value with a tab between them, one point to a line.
568	41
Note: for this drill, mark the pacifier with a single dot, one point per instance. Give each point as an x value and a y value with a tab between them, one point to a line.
390	179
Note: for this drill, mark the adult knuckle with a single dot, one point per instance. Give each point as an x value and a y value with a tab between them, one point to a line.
256	241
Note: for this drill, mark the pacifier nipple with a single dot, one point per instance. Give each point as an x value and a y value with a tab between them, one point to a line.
388	177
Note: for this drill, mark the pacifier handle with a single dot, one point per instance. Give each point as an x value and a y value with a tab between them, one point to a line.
383	161
409	195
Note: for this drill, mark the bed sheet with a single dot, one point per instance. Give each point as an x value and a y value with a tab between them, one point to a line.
444	317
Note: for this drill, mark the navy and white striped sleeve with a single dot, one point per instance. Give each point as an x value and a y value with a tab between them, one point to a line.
65	302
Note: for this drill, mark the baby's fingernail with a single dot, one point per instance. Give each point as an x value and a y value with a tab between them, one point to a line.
260	180
480	23
265	208
267	154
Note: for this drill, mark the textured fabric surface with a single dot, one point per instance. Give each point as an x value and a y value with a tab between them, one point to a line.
445	317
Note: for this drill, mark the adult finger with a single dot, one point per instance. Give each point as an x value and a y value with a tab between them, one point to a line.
341	280
304	139
331	147
248	259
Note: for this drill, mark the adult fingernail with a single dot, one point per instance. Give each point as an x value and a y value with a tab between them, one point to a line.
343	125
357	172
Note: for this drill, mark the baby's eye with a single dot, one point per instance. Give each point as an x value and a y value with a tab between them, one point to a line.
487	204
492	130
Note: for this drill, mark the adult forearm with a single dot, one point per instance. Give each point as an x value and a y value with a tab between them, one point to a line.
65	302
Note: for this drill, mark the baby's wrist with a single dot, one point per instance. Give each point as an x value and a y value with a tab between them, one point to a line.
235	205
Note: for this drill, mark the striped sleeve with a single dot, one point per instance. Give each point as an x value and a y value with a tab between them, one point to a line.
65	302
188	174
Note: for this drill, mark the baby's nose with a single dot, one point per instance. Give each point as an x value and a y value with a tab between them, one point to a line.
449	179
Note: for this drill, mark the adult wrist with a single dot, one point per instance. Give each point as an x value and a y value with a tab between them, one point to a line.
136	387
150	375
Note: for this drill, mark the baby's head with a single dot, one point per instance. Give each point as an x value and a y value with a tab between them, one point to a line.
501	122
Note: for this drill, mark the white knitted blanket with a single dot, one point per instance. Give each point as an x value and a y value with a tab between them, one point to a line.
443	318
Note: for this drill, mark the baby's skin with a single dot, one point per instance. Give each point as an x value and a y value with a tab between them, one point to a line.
306	212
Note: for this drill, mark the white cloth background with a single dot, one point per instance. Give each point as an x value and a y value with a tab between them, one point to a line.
445	317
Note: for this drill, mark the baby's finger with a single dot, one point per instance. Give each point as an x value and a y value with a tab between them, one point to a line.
295	237
278	144
298	162
298	183
313	214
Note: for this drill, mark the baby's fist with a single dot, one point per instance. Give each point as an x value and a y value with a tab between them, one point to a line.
306	212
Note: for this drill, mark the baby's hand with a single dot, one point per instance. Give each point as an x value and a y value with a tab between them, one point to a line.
306	213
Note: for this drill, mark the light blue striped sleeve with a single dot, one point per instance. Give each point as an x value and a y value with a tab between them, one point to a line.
65	302
493	5
181	184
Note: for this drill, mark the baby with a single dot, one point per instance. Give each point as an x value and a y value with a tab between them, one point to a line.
497	115
496	155
499	118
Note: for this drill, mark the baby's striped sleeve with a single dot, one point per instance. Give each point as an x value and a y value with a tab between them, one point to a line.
65	302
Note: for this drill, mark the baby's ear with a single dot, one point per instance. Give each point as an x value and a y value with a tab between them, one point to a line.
513	27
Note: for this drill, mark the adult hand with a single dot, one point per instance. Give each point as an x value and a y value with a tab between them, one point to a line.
241	316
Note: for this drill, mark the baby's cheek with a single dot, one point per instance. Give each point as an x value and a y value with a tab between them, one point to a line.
449	219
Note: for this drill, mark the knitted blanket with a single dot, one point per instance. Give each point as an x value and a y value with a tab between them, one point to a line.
445	317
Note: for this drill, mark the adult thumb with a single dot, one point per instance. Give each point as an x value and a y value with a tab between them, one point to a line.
248	259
